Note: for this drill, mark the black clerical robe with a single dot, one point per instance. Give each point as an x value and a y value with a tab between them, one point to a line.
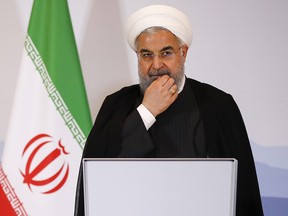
224	131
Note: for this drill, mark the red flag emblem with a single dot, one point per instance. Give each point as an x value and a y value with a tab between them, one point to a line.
42	146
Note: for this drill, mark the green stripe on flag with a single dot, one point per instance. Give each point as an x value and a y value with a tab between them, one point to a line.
51	31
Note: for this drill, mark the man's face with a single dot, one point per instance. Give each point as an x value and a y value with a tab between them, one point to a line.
160	53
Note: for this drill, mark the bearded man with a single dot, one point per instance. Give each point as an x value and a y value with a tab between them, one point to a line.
168	115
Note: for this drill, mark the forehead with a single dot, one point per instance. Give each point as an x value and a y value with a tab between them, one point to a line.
156	40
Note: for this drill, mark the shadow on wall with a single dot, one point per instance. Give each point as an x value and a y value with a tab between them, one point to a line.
275	206
274	190
272	181
272	171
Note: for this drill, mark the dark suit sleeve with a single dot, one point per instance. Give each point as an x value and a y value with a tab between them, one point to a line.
136	140
248	194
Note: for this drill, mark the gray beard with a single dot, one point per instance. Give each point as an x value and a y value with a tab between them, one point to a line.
145	81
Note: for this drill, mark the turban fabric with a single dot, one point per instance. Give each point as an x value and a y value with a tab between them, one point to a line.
158	16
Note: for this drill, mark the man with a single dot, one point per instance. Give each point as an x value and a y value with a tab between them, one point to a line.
168	115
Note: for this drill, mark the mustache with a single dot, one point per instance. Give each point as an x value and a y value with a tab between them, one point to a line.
159	73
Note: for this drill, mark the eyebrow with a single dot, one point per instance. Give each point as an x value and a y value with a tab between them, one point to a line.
163	49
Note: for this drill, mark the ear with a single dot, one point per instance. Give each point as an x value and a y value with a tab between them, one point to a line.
184	51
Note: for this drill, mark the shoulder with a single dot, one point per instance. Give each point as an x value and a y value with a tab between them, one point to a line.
125	90
210	98
204	91
124	94
119	101
117	104
201	87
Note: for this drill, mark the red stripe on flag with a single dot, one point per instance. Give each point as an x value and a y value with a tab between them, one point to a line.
9	201
5	207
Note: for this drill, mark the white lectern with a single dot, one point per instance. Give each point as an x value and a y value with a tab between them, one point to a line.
160	187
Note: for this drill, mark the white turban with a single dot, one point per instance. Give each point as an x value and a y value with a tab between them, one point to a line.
161	16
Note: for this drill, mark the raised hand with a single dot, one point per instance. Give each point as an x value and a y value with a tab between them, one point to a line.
160	95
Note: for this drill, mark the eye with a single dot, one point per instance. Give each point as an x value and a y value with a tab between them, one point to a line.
147	55
167	54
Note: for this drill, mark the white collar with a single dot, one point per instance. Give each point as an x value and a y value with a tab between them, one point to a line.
181	86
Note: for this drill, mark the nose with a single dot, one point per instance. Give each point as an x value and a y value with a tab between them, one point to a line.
157	62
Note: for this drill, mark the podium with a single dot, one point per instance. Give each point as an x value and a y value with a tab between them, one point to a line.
160	187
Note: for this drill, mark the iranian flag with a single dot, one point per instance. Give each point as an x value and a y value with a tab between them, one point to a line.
50	119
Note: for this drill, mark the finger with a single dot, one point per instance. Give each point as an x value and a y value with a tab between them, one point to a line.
164	79
173	89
